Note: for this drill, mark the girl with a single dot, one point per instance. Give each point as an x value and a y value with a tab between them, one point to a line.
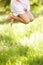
20	10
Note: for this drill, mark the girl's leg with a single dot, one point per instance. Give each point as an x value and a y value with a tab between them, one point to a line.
25	18
30	16
12	21
16	18
8	17
13	18
21	17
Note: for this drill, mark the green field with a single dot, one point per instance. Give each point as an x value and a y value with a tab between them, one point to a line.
21	44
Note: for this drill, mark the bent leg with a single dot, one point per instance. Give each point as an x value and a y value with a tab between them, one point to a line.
25	18
21	17
8	17
30	16
16	18
12	21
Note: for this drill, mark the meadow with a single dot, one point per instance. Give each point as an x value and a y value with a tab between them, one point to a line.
21	44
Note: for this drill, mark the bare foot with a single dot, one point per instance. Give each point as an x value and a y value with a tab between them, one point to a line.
12	21
8	17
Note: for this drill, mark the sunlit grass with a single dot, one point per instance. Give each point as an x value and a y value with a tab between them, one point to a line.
22	44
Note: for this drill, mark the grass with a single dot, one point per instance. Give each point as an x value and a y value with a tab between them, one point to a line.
37	10
21	44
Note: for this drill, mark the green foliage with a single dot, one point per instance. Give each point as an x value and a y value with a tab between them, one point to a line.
22	44
36	2
32	2
36	7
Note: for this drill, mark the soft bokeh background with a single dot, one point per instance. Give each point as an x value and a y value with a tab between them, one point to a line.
36	7
21	44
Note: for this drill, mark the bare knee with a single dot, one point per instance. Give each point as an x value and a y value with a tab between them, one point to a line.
29	20
32	18
12	16
26	22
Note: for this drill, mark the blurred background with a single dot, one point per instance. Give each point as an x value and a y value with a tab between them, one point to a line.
36	7
21	44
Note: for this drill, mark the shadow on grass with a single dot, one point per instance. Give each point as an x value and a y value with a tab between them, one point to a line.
2	22
36	61
2	13
18	54
7	22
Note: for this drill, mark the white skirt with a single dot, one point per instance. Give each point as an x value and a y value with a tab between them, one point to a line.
18	8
